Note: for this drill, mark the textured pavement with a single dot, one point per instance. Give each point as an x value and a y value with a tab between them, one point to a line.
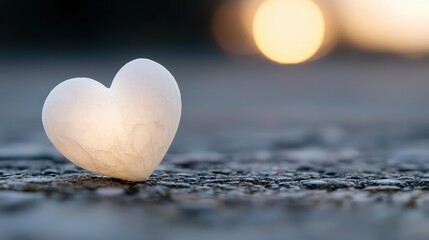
300	186
263	160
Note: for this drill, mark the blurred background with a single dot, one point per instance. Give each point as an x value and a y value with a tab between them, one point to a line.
240	63
254	75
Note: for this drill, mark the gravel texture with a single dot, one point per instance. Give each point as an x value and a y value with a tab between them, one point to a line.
328	183
333	149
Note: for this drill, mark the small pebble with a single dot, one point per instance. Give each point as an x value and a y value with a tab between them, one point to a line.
313	184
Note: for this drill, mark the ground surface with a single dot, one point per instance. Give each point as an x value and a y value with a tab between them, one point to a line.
343	169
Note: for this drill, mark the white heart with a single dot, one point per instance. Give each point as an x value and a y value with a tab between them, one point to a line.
123	131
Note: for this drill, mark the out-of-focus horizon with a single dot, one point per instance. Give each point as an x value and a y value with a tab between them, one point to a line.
310	29
254	63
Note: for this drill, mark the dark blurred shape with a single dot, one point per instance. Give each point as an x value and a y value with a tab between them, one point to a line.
232	26
77	23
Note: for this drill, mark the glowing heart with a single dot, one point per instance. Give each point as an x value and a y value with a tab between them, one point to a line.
123	131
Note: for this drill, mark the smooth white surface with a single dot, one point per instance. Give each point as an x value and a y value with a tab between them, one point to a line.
123	131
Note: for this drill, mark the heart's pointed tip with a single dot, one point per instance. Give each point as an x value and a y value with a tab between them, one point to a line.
133	180
116	179
126	177
122	178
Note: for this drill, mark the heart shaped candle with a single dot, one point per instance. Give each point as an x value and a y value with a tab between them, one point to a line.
123	131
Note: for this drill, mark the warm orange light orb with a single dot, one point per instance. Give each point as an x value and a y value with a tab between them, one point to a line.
398	26
288	31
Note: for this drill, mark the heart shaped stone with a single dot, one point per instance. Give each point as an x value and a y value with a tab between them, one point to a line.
123	131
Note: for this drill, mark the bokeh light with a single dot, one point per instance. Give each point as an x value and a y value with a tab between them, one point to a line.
288	31
232	26
398	26
247	13
332	35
